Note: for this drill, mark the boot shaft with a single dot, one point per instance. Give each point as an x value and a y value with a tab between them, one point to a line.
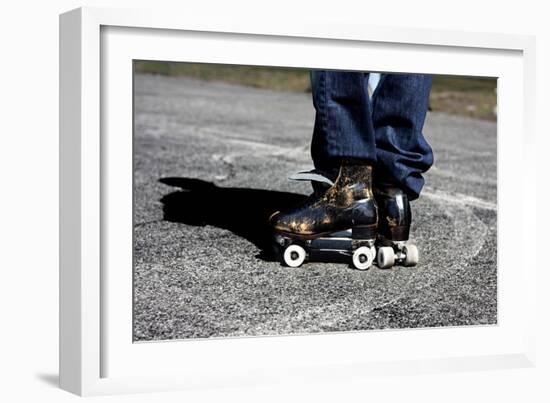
395	212
348	203
354	183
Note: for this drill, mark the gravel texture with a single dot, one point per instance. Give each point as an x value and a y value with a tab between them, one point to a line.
211	163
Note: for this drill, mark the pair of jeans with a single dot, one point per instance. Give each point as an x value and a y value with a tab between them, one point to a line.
384	130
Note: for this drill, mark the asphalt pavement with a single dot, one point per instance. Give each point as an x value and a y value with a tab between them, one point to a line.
211	162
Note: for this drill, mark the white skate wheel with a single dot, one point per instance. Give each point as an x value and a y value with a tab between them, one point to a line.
363	257
294	255
386	257
411	255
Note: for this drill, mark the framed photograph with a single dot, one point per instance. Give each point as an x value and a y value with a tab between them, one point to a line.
246	203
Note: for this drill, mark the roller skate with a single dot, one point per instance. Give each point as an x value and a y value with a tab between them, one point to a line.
340	219
393	228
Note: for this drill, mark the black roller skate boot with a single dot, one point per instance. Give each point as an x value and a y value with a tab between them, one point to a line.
394	227
339	219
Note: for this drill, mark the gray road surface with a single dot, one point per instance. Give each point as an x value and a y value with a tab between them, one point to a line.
211	162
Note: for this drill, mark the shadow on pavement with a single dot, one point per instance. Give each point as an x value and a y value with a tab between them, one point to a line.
243	211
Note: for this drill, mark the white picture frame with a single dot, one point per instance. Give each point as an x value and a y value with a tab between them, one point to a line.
97	355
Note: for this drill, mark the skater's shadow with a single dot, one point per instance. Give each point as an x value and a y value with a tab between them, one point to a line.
243	211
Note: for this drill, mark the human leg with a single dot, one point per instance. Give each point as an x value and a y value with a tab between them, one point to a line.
343	119
399	104
343	150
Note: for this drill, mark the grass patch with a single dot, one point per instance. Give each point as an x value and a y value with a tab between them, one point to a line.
465	96
274	78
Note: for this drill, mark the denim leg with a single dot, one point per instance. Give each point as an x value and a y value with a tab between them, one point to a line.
343	123
399	108
385	131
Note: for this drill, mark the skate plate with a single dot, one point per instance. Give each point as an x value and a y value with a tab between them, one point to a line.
338	247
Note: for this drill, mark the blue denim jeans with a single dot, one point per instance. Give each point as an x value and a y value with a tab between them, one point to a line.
385	130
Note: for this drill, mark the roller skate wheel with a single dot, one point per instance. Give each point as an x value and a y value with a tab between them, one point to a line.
294	256
411	255
386	257
363	257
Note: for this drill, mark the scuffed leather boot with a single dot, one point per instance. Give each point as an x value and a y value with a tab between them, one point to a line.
348	204
394	227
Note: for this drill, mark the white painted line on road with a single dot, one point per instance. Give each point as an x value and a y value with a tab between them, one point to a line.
459	198
443	173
